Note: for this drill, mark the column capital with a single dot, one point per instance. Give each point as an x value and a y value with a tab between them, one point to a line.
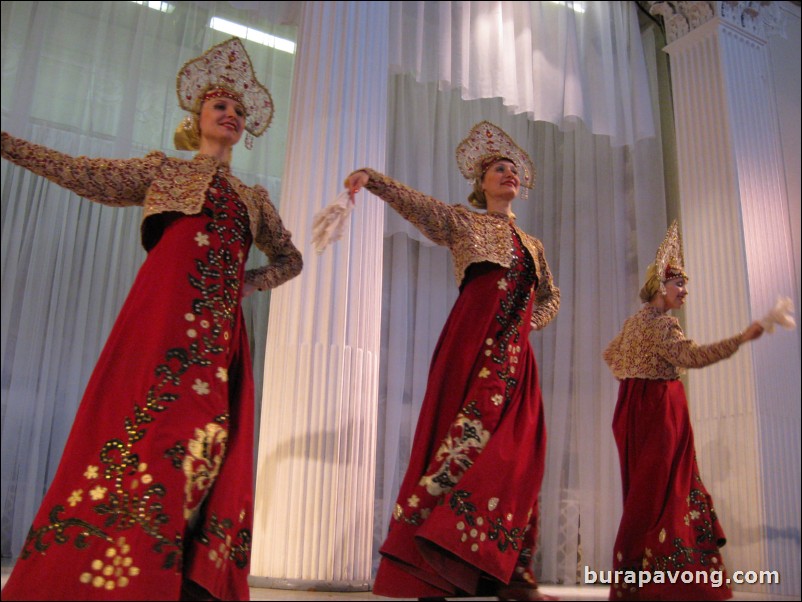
761	19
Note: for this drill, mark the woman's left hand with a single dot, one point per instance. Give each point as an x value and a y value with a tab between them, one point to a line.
752	332
248	289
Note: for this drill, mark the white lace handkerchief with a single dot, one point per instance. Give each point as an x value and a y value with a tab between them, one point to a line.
329	223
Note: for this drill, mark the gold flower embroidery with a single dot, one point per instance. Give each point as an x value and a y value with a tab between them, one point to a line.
455	453
202	239
205	454
222	553
413	501
114	570
502	285
497	399
222	374
98	493
91	472
76	497
200	387
484	373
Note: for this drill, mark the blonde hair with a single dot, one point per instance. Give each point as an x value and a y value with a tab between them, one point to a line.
477	197
652	284
187	134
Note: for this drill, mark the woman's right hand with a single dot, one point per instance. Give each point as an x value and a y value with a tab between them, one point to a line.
356	181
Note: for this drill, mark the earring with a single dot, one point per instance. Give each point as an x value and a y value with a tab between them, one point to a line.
190	123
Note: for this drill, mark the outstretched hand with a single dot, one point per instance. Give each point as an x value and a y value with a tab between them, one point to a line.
355	182
752	332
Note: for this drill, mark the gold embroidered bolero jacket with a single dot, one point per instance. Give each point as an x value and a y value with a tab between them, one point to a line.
471	237
651	345
163	184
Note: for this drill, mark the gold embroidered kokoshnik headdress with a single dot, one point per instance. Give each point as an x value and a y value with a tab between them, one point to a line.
225	70
668	263
485	144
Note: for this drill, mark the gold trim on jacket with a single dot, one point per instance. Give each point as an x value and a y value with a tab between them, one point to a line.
162	184
472	237
651	345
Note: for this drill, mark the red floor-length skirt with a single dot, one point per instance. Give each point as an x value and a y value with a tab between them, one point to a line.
466	513
155	482
668	523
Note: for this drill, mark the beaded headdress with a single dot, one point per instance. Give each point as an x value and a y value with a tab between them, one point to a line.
487	143
225	70
668	262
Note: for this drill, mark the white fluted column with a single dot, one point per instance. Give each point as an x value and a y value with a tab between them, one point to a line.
738	254
315	472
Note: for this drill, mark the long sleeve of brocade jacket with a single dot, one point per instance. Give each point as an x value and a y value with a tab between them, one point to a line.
651	345
471	237
162	184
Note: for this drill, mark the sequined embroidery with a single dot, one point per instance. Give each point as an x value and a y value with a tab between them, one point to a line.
473	425
472	238
651	345
122	488
161	185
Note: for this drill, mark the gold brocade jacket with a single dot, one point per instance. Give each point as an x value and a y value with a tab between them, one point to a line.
471	237
651	345
163	185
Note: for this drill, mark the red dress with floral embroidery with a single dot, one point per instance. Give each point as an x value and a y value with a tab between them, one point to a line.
667	547
467	508
155	483
668	525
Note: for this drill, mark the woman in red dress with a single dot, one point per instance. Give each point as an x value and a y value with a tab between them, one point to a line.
153	497
466	515
668	523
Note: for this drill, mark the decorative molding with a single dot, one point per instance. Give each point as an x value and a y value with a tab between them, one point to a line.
762	19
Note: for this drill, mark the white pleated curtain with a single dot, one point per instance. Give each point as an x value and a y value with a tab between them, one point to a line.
95	79
572	84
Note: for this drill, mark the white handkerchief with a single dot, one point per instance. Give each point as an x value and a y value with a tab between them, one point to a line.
782	313
329	223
